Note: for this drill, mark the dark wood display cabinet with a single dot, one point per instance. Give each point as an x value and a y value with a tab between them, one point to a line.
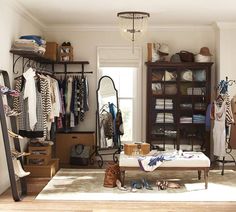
178	95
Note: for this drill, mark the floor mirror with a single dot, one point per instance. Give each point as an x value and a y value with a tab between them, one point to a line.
108	141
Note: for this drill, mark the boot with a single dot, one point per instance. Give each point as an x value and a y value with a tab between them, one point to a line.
18	169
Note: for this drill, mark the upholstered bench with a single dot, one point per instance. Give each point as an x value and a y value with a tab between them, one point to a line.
198	161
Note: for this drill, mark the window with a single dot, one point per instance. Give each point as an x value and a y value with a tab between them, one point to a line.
125	79
124	66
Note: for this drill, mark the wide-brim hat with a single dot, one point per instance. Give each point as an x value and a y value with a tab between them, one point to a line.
164	49
205	51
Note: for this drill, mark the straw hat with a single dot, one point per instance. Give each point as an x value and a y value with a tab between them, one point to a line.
164	49
205	51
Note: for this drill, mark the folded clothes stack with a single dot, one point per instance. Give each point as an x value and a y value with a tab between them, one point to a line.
185	119
164	118
200	106
199	118
30	43
186	106
196	91
162	132
164	104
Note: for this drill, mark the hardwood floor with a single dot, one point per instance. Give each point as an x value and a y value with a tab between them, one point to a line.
29	203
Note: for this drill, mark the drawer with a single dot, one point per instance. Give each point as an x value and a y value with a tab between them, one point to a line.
65	141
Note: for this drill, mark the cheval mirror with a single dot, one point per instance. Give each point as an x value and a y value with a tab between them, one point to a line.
107	107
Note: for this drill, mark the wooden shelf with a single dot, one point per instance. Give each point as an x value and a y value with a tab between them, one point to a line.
32	56
70	62
42	59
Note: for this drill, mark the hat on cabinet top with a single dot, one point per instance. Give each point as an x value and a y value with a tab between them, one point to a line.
175	58
164	49
205	51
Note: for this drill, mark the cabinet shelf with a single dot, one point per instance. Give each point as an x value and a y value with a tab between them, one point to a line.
188	124
155	73
166	82
164	96
164	123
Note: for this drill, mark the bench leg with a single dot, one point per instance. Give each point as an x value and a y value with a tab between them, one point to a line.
122	177
206	177
199	174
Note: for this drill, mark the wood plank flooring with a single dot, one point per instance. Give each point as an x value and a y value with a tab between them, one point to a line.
29	204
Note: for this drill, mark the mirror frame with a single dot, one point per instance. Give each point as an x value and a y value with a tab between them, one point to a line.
98	109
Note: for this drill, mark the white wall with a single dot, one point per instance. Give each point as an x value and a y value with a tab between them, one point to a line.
227	53
85	44
12	25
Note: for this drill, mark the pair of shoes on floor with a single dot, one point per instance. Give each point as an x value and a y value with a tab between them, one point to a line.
163	185
14	135
17	154
119	186
9	112
139	185
19	171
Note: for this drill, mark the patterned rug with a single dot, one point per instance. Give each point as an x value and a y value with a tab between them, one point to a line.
87	184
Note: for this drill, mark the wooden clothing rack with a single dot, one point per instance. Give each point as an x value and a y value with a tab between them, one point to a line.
17	191
228	149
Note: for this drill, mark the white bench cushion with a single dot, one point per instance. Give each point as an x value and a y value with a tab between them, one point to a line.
199	159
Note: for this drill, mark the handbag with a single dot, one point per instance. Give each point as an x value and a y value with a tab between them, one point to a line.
112	174
80	155
186	56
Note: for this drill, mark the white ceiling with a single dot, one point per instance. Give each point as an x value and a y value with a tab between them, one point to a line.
103	12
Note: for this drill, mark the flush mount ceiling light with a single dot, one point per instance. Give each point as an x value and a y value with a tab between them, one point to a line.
133	24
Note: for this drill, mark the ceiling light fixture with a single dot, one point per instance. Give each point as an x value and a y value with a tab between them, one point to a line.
133	24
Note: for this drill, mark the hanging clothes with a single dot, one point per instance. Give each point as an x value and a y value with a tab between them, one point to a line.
219	132
24	118
84	94
229	115
48	105
119	123
30	95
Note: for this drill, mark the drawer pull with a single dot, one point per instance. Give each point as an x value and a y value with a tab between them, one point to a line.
74	137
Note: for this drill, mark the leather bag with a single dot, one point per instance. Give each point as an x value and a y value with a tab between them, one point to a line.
186	56
112	174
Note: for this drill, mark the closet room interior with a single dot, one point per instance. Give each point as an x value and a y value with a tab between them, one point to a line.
112	105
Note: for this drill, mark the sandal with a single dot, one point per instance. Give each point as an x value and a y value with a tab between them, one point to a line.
173	185
162	185
135	185
119	186
10	112
17	154
146	184
14	135
6	90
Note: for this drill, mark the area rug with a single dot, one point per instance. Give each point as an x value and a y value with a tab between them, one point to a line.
87	184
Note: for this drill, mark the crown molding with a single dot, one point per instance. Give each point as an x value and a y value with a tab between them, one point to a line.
25	13
225	25
106	28
79	28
